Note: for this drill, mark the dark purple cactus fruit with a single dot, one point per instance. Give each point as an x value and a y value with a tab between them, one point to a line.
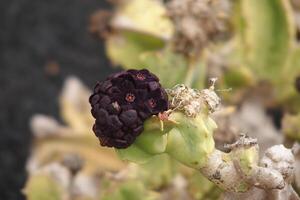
122	103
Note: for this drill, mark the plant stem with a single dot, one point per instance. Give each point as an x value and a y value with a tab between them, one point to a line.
196	73
191	71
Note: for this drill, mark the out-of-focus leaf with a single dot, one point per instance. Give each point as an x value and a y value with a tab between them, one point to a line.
291	126
43	187
238	77
76	138
130	190
125	51
171	68
162	166
168	66
148	17
266	35
286	90
87	147
199	75
201	188
293	67
143	27
75	108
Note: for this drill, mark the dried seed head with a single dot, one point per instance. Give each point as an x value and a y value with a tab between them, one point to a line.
197	22
192	101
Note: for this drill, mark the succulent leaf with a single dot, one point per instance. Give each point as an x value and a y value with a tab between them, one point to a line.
43	187
145	17
266	35
130	190
170	67
125	51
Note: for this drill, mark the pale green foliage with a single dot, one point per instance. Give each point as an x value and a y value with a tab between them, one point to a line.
130	190
201	188
170	67
289	96
267	35
143	26
131	53
291	126
145	17
43	187
264	48
143	43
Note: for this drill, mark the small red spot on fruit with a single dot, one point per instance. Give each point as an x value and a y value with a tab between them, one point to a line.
163	116
152	103
140	76
130	97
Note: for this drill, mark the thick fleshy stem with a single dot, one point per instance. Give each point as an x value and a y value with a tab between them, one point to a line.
190	141
239	170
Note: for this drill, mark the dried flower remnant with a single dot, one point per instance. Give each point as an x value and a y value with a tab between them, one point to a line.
100	23
192	101
122	103
197	22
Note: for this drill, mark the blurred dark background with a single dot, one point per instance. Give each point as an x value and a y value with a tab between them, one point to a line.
41	43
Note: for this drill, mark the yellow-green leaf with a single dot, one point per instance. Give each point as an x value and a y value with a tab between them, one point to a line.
43	187
144	16
266	35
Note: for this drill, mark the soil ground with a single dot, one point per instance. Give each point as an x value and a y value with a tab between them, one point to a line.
41	43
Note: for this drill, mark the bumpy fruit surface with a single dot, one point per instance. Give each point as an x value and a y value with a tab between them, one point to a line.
122	103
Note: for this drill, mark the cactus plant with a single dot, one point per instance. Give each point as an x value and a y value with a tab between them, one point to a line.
183	43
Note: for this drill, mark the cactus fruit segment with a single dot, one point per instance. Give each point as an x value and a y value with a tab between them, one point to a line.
191	141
